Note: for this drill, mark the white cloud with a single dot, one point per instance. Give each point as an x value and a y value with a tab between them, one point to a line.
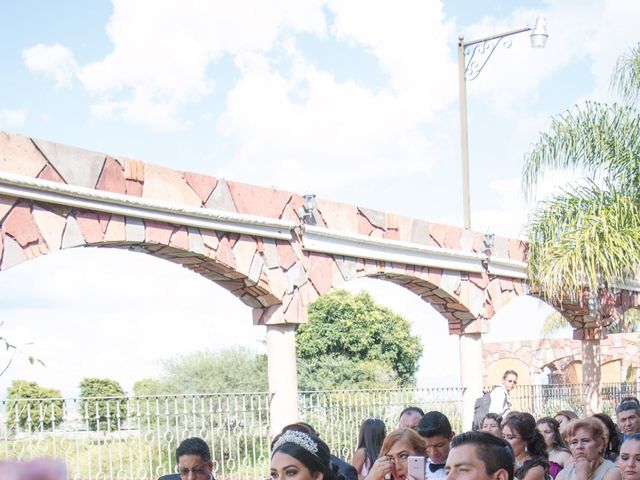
54	61
12	118
161	51
308	130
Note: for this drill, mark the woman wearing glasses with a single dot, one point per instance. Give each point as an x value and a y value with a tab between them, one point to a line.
396	449
587	440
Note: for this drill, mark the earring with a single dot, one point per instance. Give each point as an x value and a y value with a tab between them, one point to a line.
525	449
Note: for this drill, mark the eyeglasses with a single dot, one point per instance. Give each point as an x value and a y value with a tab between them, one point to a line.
197	471
508	438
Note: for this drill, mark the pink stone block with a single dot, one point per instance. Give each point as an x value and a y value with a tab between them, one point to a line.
89	225
49	173
210	239
480	279
19	155
157	232
517	249
243	252
364	227
286	254
115	231
437	234
277	281
391	235
265	202
404	228
6	203
452	239
180	239
435	276
203	185
167	185
224	254
112	177
133	169
338	216
320	269
506	285
134	188
21	226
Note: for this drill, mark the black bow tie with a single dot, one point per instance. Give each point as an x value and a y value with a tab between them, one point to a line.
434	467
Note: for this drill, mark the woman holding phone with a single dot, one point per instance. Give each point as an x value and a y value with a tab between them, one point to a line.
393	462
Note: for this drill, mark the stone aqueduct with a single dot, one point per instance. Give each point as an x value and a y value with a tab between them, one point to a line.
251	241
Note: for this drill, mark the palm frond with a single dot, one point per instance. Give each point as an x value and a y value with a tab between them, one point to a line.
626	76
595	137
587	237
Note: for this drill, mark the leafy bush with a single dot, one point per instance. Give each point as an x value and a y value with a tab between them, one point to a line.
101	413
356	335
29	407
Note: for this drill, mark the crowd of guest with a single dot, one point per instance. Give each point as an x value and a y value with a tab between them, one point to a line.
506	445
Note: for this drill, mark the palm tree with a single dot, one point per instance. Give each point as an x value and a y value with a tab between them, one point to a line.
586	239
588	236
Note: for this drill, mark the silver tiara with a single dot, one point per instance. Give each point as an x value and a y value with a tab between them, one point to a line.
299	438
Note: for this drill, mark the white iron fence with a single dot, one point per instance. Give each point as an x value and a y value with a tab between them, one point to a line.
120	438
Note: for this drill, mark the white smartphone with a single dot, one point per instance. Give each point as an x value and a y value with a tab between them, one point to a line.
415	468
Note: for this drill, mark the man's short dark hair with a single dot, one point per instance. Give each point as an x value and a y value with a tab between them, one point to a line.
193	446
417	410
434	423
493	451
628	405
509	372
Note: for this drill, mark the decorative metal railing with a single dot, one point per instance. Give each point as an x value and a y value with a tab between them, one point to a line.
135	438
119	438
337	415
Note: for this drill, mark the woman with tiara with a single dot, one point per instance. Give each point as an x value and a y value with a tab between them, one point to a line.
302	456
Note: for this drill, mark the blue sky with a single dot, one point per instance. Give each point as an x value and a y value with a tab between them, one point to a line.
352	100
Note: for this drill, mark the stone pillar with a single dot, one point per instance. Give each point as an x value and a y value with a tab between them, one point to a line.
591	364
471	369
282	375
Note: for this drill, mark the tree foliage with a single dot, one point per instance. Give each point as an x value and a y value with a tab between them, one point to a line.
350	341
235	369
588	236
99	412
32	407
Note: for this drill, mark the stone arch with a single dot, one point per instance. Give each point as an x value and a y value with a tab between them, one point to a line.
235	262
465	299
494	371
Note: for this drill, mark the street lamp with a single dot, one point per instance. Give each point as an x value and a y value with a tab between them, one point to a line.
469	67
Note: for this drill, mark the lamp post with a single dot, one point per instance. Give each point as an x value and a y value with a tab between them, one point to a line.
469	67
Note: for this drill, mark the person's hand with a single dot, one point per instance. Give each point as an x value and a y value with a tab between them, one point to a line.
382	467
584	468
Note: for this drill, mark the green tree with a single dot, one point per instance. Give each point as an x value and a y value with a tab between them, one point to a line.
102	403
588	236
32	407
350	341
235	369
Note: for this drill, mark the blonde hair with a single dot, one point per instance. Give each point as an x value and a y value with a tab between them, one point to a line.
596	428
408	435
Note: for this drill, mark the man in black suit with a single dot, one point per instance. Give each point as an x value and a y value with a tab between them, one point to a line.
194	461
